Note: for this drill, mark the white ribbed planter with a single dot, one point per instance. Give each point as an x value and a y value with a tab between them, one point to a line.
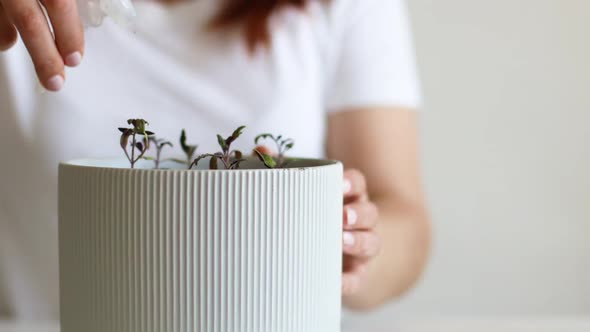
202	251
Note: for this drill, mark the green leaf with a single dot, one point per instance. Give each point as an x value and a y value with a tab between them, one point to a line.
222	143
149	133
123	130
163	144
191	151
183	144
146	143
263	136
268	161
234	136
290	145
148	158
287	140
176	160
238	132
139	146
138	125
238	154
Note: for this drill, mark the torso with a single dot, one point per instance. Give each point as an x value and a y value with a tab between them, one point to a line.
337	54
166	72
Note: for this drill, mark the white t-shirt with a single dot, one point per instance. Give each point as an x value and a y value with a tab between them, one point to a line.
335	56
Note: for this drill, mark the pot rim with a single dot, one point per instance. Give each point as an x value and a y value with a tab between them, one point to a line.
101	164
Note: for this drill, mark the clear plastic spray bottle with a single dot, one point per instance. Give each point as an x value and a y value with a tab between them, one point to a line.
93	12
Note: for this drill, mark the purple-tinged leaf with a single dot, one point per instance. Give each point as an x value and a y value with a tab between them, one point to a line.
125	139
213	163
199	158
236	164
238	154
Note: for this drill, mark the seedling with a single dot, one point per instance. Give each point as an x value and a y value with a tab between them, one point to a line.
283	145
141	146
266	159
230	159
189	150
159	144
141	139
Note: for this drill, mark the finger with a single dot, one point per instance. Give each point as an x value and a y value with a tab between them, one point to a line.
8	33
361	244
32	25
353	279
350	283
360	216
355	185
352	264
68	30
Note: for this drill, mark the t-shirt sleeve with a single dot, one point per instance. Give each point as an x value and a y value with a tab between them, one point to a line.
373	59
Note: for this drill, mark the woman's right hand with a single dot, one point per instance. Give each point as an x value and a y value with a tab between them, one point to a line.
49	54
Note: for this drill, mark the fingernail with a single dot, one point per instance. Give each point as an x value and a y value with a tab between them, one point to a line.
55	83
351	216
74	59
347	186
348	239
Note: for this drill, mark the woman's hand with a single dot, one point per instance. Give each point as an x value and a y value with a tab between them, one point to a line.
49	54
360	241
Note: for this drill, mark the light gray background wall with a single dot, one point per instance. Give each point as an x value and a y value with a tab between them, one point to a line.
506	135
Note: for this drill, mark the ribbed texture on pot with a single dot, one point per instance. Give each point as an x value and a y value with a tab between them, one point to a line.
200	251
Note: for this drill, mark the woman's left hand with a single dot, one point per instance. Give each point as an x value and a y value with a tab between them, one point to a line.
360	240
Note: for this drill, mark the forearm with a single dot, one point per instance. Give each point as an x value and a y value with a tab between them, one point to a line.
405	232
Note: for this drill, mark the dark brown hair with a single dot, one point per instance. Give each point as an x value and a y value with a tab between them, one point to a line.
252	16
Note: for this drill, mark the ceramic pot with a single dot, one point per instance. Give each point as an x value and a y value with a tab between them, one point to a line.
147	250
